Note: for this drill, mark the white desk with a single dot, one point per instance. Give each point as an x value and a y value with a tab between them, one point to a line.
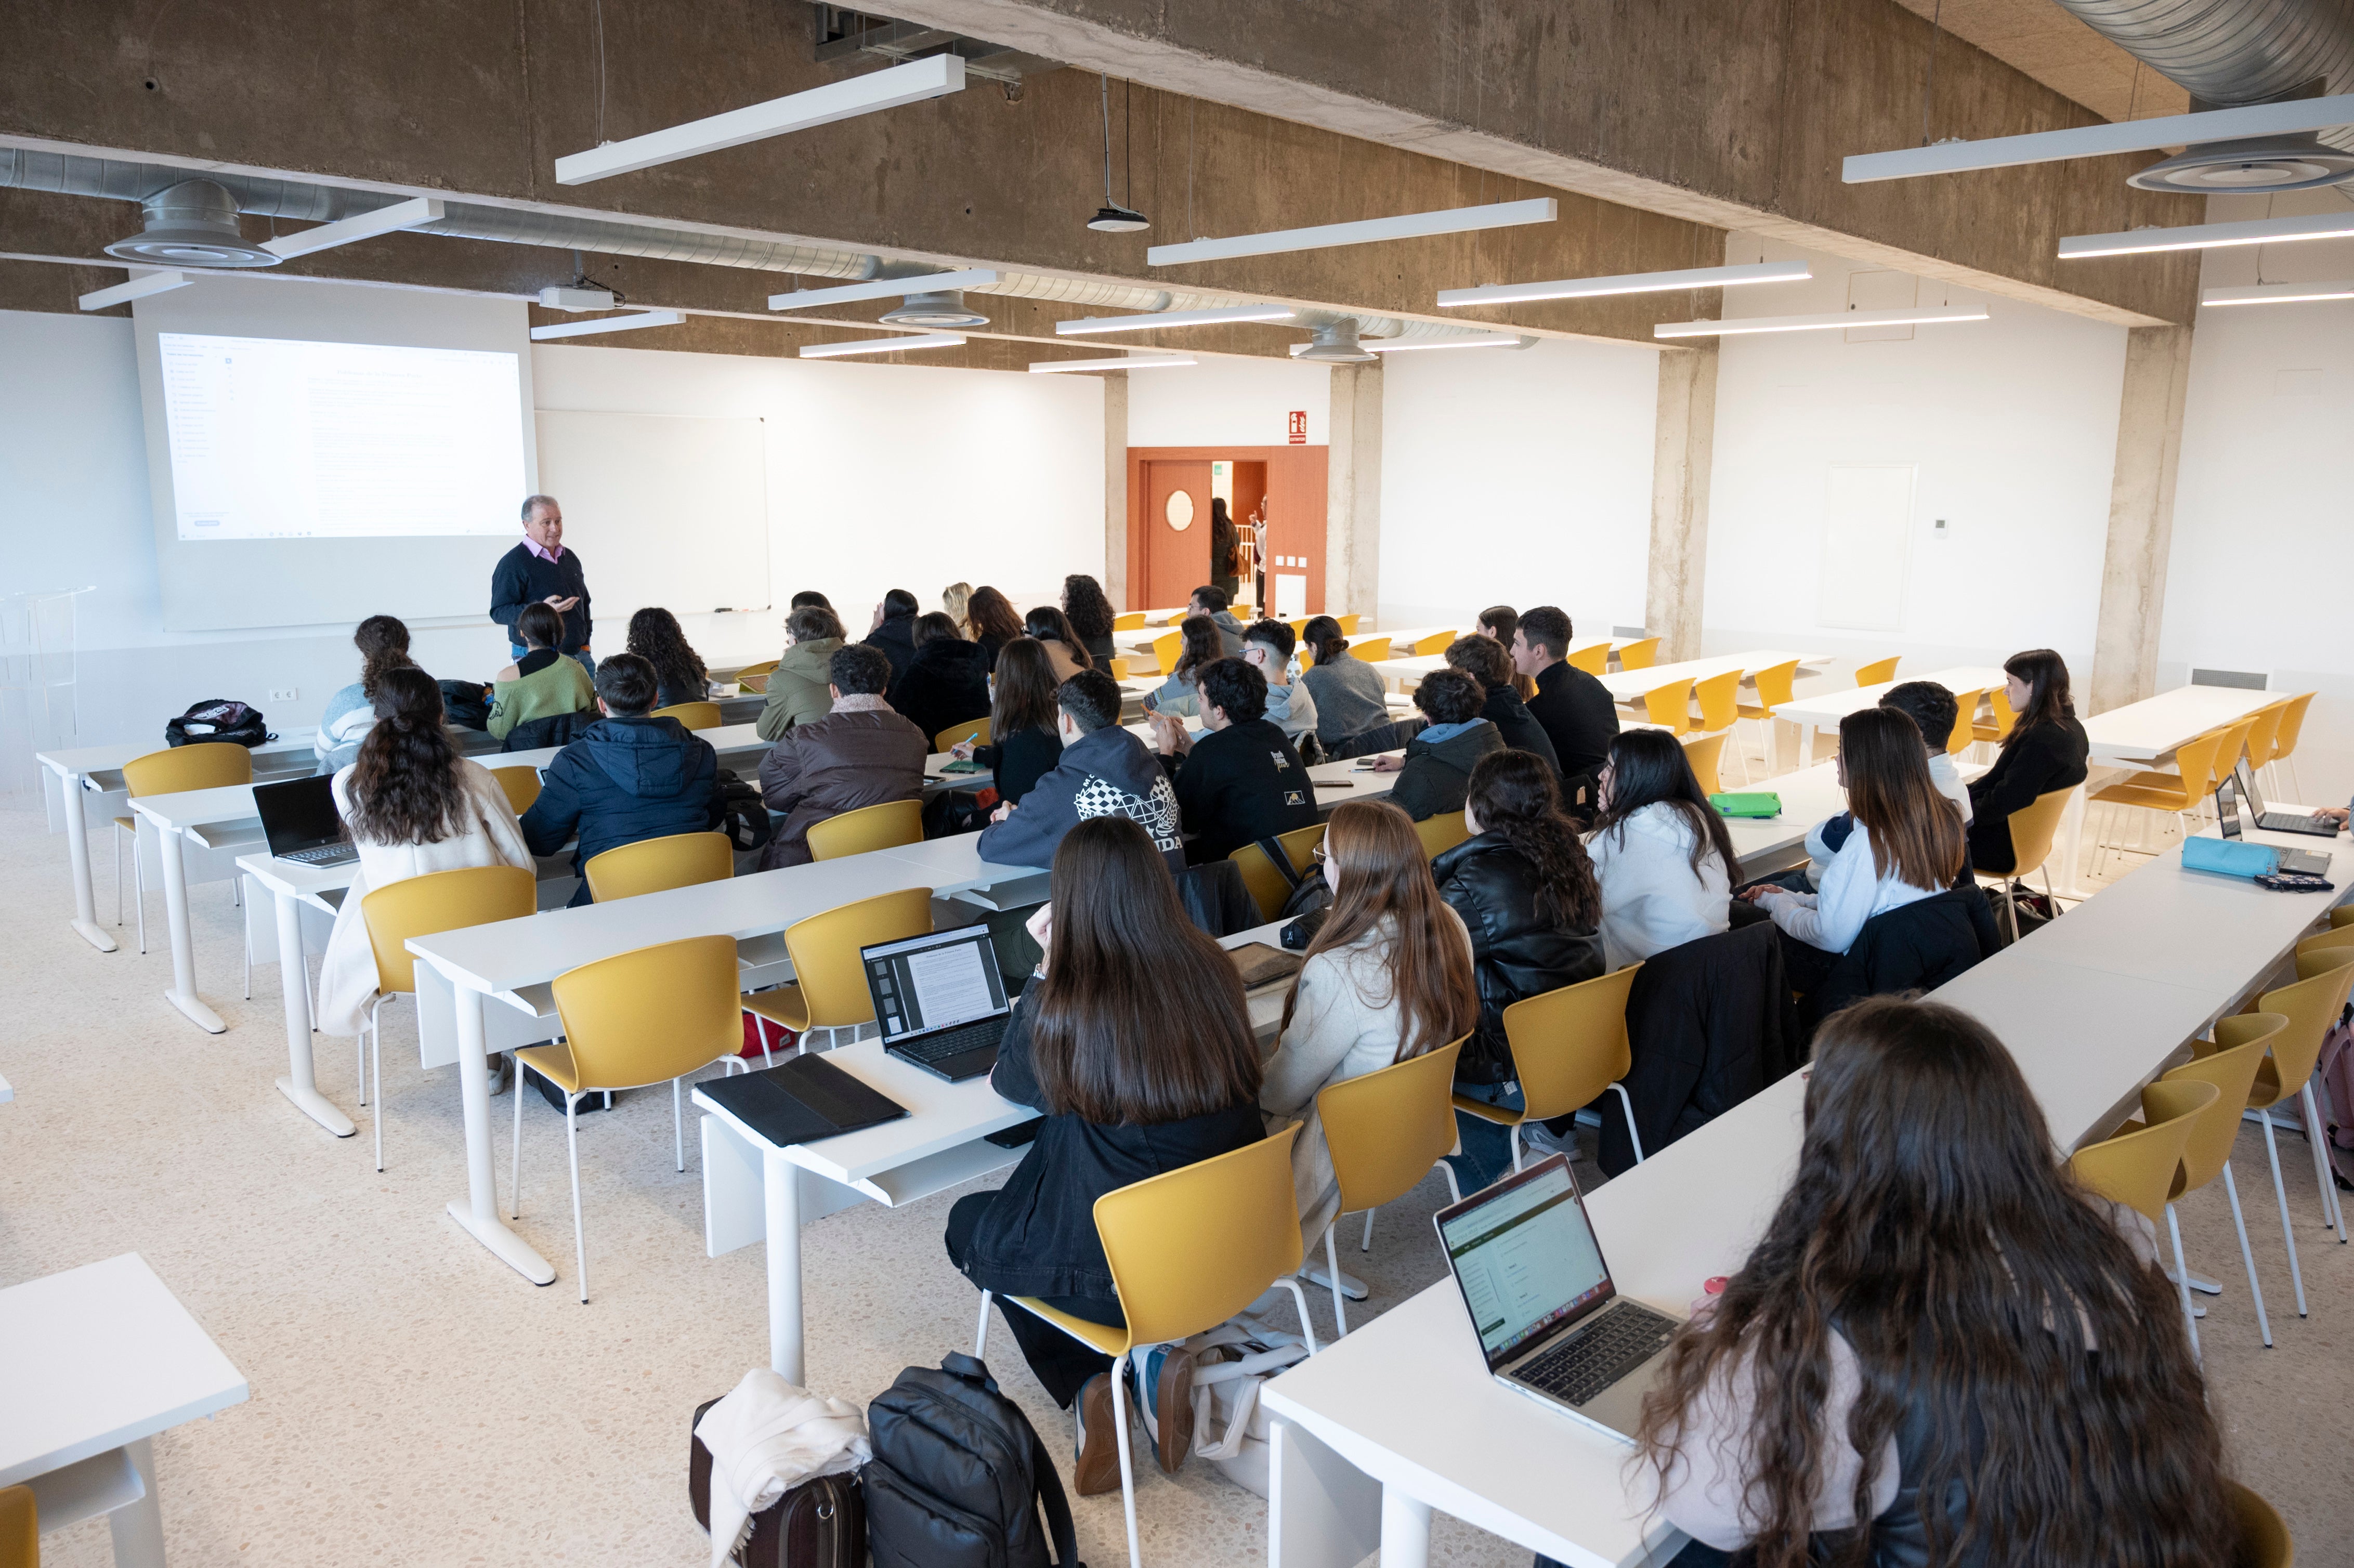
7	1092
1627	686
1407	672
1824	710
2140	733
96	1361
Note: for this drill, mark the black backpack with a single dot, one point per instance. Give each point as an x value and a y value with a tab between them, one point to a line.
218	718
747	822
466	704
959	1477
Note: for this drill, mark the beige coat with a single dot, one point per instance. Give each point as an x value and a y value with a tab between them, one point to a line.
489	836
1060	655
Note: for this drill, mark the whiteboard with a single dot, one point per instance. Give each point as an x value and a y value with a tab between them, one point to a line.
664	510
1867	546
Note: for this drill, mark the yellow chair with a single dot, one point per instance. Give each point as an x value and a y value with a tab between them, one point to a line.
1117	666
694	716
1568	1046
2139	1168
2179	794
2235	747
2035	827
1437	643
1167	648
420	906
1880	670
1372	651
1269	888
2264	1539
2263	734
1299	627
2339	934
1128	620
974	730
1965	731
2342	917
1705	753
869	828
1441	833
1386	1130
1773	685
204	764
656	865
2230	1063
1188	1250
1669	707
755	677
521	784
632	1021
2311	1003
1347	624
1717	701
1999	700
1639	655
20	1528
1594	659
2285	735
828	990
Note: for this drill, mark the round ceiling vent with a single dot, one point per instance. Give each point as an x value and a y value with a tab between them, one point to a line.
193	224
942	308
1336	344
2266	163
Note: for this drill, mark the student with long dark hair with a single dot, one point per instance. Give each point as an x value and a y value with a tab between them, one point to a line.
1940	1351
1092	617
1487	661
383	642
993	622
656	637
1025	736
2045	750
1349	697
1131	1086
1661	851
948	683
1050	626
1201	648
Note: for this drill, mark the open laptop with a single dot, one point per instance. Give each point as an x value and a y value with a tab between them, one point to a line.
2279	822
2227	819
1552	1325
302	822
939	999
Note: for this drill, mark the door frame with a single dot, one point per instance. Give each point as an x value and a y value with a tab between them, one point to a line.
1296	491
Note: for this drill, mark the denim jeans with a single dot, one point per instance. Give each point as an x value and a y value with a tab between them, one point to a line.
516	650
1487	1154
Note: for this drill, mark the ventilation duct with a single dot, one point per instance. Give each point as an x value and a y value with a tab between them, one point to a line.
192	224
940	308
1335	343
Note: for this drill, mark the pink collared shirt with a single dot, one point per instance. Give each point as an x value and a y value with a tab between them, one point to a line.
549	555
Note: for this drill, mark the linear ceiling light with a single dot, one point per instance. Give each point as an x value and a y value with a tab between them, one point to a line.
1406	226
1087	324
1402	345
1131	362
1830	320
882	344
883	289
2209	236
391	219
2277	293
631	323
1628	284
932	77
2099	141
137	289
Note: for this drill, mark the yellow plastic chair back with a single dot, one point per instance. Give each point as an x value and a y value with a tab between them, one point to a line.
1347	624
755	677
521	784
20	1528
2339	934
653	865
2264	734
654	1014
2311	1003
1128	620
2241	1044
1594	659
439	901
1267	887
1441	833
2342	917
204	764
869	828
829	986
1387	1128
1998	699
973	730
1372	651
1118	667
1706	754
2196	758
2264	1539
1639	655
1569	1046
1773	685
1437	643
2235	741
2292	725
1299	627
694	716
1880	670
1669	707
1167	648
1719	698
1966	712
2139	1168
2033	829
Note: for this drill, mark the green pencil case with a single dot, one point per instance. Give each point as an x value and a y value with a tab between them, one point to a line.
1760	803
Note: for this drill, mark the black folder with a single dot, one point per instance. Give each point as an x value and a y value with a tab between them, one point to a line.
802	1100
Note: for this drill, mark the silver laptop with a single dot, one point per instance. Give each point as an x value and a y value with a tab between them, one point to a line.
2306	863
2279	822
939	999
300	819
1551	1323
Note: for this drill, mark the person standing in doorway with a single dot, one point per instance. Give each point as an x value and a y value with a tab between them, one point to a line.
540	570
1224	551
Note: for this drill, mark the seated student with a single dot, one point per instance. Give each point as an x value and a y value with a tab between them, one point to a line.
956	601
1130	1086
1576	709
1485	660
1212	601
796	687
1661	851
894	630
1104	771
860	754
1436	771
1091	616
383	642
1240	780
1025	736
629	777
1051	627
1267	648
414	806
1498	623
543	683
1387	977
948	683
993	622
1906	846
1941	1349
1349	697
809	596
1200	649
2044	751
656	637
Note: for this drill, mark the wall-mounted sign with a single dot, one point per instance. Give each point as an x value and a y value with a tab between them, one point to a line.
1300	427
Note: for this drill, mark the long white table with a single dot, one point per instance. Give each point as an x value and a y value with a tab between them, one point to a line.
1627	686
1825	709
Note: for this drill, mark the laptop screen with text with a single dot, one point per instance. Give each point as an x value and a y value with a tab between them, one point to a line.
933	981
1526	1259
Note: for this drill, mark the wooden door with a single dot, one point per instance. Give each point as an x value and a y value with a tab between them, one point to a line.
1176	532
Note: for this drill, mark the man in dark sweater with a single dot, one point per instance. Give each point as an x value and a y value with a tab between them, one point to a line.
1486	660
895	633
1103	769
1576	709
540	570
1240	780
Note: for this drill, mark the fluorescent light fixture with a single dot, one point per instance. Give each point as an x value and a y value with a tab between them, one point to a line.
1403	345
391	219
882	344
2209	236
883	289
932	77
1628	284
137	289
2099	141
631	323
1087	324
2277	293
1830	320
1405	226
1128	362
571	299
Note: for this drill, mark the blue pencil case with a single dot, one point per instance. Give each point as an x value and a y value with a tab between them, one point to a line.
2231	858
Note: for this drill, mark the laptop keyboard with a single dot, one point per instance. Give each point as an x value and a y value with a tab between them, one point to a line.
934	1049
324	854
1622	1339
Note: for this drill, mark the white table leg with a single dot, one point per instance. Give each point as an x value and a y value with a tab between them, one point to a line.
2071	846
1405	1531
182	994
479	1210
85	921
1322	1511
1806	744
138	1527
300	1085
781	1187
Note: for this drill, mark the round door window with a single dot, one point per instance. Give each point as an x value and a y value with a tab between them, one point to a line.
1180	510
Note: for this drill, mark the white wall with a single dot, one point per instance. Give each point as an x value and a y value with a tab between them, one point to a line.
1518	477
1225	403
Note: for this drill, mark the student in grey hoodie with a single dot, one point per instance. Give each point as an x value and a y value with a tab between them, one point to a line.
1435	774
1211	600
1103	770
1267	648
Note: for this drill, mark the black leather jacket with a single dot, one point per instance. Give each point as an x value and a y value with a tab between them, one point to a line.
1494	888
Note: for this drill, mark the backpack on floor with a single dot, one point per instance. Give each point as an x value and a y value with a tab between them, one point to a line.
1231	1363
820	1523
2335	1072
959	1477
746	822
218	718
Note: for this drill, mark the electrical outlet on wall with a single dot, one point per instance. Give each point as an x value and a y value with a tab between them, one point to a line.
1938	530
285	694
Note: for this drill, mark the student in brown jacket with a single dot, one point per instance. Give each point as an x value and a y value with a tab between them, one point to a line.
861	754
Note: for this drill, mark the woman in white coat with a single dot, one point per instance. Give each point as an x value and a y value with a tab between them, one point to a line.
412	806
1659	851
1387	979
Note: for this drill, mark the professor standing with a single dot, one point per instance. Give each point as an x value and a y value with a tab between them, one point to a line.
540	570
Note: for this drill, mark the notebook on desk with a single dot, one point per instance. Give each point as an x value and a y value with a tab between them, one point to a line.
802	1100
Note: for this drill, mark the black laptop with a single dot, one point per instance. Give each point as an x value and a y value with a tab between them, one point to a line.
302	822
939	999
2279	822
2303	863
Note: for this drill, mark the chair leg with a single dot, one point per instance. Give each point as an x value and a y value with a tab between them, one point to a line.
1514	1136
2316	1136
1367	1243
2182	1282
359	1047
1333	1273
1454	1189
981	1330
2288	1235
572	1146
118	876
1119	1432
375	1064
1628	1107
2256	1290
514	1175
677	1127
139	891
1299	1299
245	929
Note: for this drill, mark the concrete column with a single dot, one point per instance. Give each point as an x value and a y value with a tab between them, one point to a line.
1353	507
1681	452
1115	385
2141	517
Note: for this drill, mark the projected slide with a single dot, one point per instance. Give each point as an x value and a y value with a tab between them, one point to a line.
272	439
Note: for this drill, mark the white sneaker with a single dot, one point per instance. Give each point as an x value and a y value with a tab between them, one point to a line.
501	1072
1542	1140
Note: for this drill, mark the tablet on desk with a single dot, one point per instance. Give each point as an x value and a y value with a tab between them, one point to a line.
802	1100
